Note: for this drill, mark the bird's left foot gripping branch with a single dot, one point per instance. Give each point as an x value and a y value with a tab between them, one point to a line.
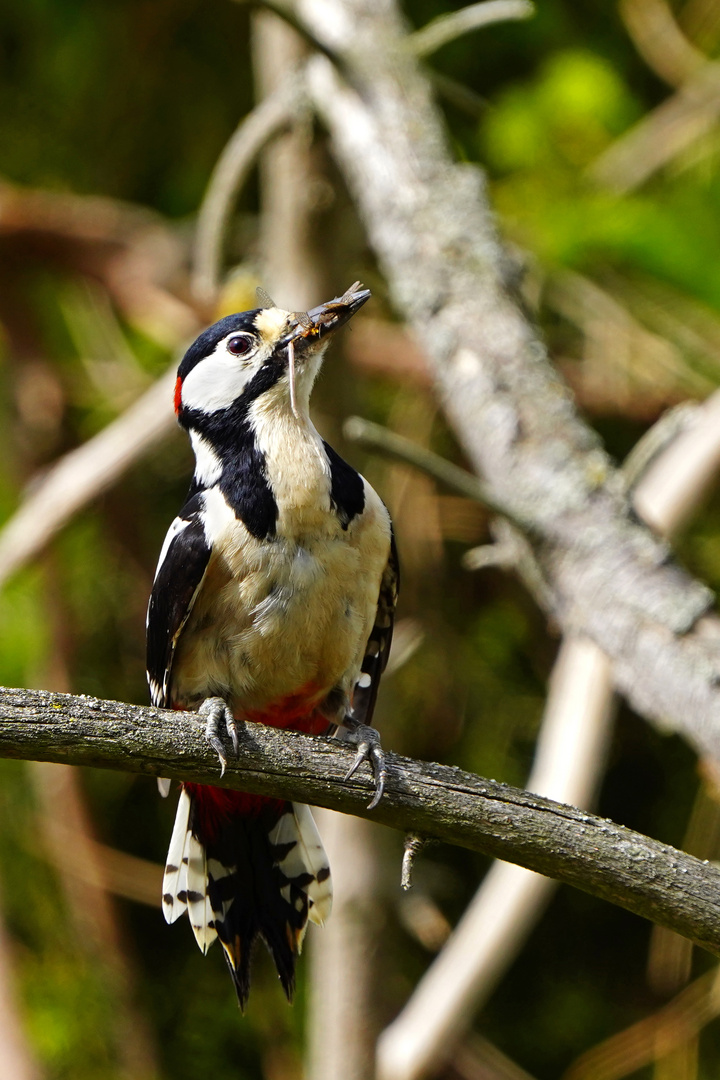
273	601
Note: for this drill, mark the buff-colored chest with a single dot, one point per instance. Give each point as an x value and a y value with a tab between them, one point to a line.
295	611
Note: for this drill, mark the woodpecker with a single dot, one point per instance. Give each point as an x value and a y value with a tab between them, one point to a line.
273	601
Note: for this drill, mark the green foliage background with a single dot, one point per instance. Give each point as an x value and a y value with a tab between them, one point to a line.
134	100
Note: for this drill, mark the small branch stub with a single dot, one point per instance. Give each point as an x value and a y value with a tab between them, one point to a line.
413	846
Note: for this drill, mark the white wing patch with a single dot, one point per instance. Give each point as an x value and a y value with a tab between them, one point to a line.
177	526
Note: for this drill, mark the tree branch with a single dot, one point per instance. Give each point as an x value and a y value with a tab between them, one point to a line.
454	24
398	448
669	470
429	222
83	473
259	127
607	860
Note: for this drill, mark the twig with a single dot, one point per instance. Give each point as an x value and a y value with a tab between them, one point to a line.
654	1035
479	1059
391	445
411	849
430	225
84	473
122	874
651	446
678	478
568	762
286	10
265	121
660	41
614	863
134	252
446	28
662	135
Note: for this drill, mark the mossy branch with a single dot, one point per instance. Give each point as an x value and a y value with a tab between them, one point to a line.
602	858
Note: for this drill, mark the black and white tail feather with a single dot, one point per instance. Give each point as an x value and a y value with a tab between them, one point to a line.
283	870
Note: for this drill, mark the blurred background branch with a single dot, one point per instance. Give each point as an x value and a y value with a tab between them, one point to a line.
570	759
446	28
493	393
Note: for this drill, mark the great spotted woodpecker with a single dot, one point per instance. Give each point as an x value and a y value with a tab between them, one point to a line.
273	601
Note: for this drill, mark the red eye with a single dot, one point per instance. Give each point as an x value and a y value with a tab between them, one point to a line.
239	345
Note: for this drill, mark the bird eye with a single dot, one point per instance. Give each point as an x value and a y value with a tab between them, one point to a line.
240	345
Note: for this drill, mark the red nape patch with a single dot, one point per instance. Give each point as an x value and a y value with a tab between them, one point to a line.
297	711
178	396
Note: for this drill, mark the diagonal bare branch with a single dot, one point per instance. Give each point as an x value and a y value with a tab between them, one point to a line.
569	760
83	473
454	24
432	229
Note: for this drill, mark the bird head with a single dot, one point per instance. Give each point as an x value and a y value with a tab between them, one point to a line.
267	352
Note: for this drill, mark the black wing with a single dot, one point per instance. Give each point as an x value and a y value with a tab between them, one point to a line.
377	649
180	572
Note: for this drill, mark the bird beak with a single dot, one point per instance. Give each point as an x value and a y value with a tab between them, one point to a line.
312	326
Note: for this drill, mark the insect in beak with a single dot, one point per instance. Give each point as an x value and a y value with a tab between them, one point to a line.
311	326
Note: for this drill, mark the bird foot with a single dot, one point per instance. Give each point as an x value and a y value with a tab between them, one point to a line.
216	714
369	749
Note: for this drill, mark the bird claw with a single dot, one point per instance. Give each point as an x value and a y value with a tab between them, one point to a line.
216	713
370	750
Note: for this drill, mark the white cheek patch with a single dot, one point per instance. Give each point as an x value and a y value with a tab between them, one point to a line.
217	380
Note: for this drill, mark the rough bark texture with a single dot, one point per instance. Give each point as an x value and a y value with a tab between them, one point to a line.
429	221
605	859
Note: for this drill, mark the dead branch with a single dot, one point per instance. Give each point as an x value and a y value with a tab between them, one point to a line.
240	154
430	224
611	862
83	473
454	24
660	41
663	135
